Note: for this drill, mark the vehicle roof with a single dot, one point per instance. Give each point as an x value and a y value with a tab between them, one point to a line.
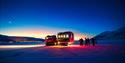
67	32
51	36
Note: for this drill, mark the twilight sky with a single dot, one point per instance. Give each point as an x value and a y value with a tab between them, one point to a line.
38	18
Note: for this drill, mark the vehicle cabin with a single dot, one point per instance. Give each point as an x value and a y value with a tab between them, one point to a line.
65	38
50	40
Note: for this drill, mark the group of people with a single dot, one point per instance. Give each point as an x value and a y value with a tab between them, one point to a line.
87	42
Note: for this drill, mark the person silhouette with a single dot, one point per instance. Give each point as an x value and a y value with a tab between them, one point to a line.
86	41
93	41
81	42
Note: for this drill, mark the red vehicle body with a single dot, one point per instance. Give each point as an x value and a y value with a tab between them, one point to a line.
65	38
50	40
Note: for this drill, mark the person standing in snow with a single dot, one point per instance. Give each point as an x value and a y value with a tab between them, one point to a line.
81	42
93	41
88	41
85	41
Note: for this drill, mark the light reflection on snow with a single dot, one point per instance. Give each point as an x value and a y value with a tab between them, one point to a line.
41	45
60	46
20	46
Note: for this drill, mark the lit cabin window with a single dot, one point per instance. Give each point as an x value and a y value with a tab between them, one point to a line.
64	36
67	36
61	36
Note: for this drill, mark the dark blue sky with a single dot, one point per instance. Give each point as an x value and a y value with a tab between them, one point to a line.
85	16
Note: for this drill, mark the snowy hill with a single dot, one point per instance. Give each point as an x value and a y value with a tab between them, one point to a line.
116	34
18	40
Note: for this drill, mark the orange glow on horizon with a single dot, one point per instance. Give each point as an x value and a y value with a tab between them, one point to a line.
78	36
38	33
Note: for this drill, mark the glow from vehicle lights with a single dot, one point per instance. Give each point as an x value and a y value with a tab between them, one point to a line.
69	46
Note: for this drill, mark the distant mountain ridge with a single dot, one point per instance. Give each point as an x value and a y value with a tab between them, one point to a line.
5	38
118	34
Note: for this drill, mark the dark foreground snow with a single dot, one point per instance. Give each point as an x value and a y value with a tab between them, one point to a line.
70	54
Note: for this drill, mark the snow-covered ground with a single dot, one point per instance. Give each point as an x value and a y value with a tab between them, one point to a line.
21	43
60	54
